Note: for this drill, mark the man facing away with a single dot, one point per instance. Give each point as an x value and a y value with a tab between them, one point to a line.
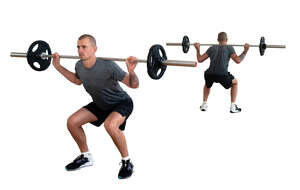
218	70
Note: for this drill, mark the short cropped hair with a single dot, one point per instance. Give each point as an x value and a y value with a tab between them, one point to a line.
90	37
222	36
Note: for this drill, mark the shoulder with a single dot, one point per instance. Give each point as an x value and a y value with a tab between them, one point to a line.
111	65
104	62
78	63
210	49
213	48
230	48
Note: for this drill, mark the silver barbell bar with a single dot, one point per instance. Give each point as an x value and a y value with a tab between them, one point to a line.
241	45
167	62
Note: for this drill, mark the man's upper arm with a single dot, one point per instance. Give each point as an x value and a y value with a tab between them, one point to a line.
117	73
77	80
235	58
233	55
203	57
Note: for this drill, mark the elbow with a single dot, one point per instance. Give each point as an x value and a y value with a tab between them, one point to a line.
134	86
238	61
77	82
200	61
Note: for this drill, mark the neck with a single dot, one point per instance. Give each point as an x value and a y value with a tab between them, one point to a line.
89	62
223	43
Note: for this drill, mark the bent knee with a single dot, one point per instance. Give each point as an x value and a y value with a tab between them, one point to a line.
72	122
110	126
234	82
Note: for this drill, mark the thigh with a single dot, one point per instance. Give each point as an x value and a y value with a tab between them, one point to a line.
82	116
115	119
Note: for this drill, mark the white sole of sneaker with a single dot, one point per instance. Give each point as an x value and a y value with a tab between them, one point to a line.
235	112
83	166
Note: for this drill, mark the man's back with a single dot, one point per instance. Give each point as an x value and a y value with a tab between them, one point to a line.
219	59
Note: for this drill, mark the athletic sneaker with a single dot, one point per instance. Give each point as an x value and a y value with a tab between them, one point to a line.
126	169
235	109
80	162
203	107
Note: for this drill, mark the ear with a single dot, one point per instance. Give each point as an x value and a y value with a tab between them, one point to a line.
95	48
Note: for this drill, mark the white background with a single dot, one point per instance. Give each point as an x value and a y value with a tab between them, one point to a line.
171	142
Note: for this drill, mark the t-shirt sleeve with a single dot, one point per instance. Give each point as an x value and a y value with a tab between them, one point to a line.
231	50
209	51
117	73
76	72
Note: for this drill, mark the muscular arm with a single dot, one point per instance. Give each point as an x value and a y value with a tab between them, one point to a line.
65	72
68	74
200	58
131	80
238	59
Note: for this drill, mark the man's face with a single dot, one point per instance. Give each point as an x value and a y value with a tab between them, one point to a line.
85	49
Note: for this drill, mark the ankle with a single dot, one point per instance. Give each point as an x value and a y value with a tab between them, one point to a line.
126	158
86	154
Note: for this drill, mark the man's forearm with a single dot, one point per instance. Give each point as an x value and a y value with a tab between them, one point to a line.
198	55
243	55
133	80
66	73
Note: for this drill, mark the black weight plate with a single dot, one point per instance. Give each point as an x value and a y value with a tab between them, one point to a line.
155	66
185	44
35	56
262	46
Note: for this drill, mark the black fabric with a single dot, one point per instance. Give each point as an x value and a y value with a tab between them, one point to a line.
224	80
124	108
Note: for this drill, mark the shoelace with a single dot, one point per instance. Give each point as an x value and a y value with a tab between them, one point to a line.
81	156
121	163
125	163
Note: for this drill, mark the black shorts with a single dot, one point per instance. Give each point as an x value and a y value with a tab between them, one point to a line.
224	80
124	108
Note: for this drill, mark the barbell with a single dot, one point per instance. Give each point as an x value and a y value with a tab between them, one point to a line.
262	45
39	58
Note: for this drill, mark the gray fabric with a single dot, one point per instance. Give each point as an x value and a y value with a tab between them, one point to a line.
101	82
219	59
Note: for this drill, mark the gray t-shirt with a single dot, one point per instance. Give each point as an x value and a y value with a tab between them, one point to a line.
101	82
219	59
